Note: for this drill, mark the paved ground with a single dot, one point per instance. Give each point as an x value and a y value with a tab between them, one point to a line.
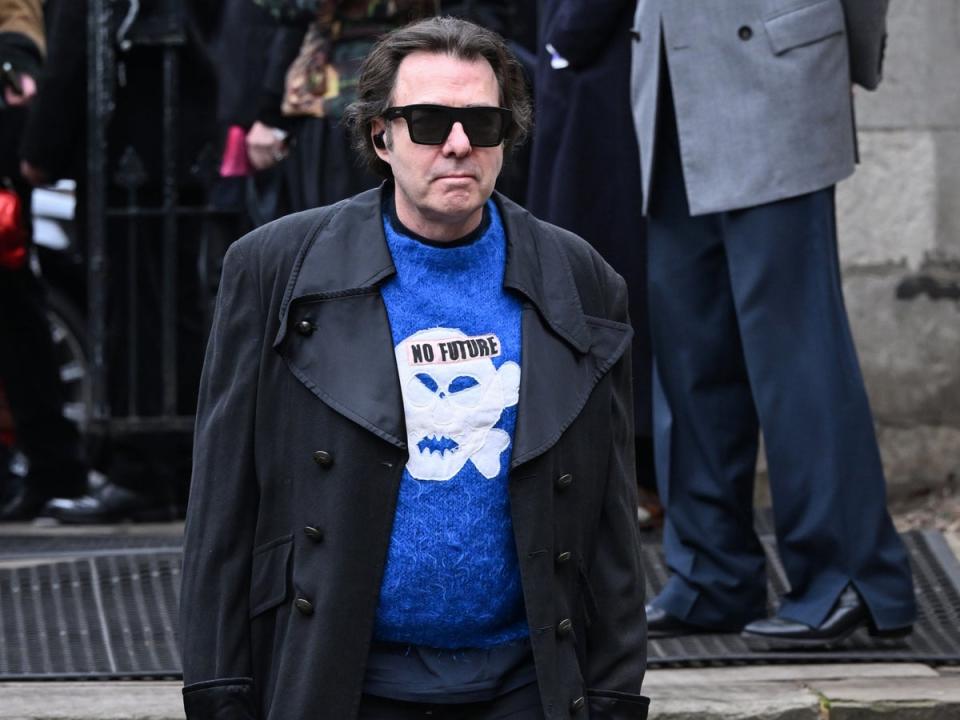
894	691
789	692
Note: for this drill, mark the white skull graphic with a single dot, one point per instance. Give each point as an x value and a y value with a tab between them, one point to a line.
453	396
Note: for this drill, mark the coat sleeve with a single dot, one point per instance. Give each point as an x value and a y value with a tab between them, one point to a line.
222	510
617	633
866	39
21	22
52	137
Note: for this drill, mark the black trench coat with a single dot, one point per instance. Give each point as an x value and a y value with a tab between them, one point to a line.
300	445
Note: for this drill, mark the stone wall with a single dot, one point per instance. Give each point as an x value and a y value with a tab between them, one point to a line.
899	225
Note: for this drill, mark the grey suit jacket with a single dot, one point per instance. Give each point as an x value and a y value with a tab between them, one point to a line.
762	91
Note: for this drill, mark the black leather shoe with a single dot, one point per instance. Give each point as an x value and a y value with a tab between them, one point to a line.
109	503
847	615
661	624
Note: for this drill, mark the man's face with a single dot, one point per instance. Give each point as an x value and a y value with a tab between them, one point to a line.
441	189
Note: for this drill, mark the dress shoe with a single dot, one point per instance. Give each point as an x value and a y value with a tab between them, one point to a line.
661	624
109	503
847	615
26	504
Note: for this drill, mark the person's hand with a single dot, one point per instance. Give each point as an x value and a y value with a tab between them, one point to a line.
15	99
266	146
32	174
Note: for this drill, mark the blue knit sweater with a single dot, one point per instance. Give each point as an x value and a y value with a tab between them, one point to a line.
451	578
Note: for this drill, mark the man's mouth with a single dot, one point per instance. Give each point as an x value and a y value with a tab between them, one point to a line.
455	176
441	445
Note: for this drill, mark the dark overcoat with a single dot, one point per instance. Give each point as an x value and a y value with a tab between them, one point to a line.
300	447
585	163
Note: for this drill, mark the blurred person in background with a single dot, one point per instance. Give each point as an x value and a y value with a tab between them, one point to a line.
148	470
584	139
744	114
29	372
297	142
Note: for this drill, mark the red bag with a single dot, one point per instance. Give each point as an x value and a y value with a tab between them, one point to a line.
13	235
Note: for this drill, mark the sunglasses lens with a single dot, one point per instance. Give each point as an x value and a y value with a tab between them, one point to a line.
429	126
484	126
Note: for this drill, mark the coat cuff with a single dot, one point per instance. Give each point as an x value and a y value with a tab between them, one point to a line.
612	705
221	699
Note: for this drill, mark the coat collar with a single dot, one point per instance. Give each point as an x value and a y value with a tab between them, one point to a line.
348	253
335	336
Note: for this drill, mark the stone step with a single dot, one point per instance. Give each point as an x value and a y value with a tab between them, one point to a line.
889	691
779	692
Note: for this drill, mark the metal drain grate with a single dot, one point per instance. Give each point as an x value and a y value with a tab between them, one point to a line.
101	617
936	636
112	613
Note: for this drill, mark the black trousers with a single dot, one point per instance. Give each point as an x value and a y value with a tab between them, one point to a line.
520	704
750	332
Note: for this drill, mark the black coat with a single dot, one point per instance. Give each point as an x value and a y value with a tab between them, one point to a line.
585	164
300	447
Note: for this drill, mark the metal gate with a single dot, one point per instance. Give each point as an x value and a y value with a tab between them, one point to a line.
138	210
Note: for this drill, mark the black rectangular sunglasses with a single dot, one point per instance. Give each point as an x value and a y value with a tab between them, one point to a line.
431	124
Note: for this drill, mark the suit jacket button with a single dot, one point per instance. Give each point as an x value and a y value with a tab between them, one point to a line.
745	33
304	606
635	34
564	481
577	704
323	458
563	557
305	327
565	627
315	534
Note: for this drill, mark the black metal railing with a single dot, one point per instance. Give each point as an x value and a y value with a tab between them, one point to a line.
129	209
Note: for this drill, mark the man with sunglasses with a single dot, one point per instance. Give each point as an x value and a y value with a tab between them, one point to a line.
413	489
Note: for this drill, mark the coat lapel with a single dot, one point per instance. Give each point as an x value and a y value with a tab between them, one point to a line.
565	351
335	335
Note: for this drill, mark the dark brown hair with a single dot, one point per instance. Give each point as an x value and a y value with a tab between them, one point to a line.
442	35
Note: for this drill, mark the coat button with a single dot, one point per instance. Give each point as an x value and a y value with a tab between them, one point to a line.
564	481
565	627
745	33
315	534
305	327
635	34
304	606
577	704
323	458
564	557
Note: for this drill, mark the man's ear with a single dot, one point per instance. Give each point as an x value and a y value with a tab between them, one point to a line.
377	133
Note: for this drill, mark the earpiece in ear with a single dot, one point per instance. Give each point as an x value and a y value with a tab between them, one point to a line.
378	141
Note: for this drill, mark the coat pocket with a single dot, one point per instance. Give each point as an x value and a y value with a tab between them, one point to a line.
804	26
269	574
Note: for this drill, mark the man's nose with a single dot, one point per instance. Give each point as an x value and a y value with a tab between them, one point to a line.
457	143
